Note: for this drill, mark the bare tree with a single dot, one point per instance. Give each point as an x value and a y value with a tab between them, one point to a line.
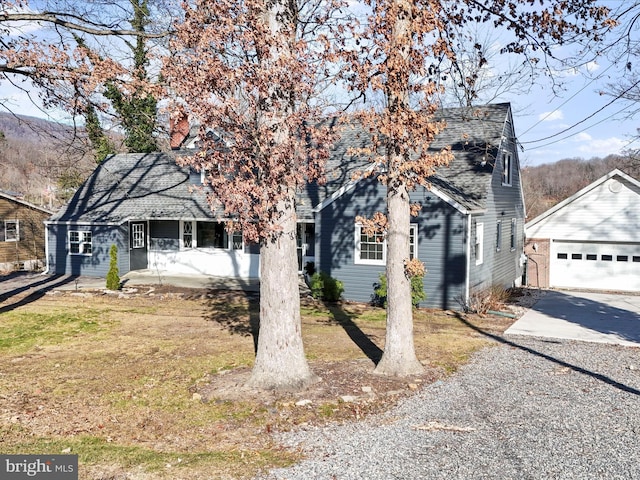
88	58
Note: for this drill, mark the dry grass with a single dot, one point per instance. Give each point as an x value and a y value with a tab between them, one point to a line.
151	387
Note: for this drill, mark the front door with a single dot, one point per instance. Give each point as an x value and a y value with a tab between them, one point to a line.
138	245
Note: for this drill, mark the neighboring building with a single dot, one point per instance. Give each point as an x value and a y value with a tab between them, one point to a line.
590	240
22	234
470	231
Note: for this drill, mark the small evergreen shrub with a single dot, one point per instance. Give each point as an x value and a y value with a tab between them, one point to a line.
324	286
113	276
380	291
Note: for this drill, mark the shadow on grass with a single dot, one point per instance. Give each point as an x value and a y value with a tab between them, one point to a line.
575	368
243	318
238	317
39	286
361	339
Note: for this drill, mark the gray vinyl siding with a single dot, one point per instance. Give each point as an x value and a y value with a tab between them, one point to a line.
94	265
441	245
335	239
504	203
442	236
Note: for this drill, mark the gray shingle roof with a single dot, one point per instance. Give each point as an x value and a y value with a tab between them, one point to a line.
135	186
474	134
153	186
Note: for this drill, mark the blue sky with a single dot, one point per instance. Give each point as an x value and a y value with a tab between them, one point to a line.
580	122
576	121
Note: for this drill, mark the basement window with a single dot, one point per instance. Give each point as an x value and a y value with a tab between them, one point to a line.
562	256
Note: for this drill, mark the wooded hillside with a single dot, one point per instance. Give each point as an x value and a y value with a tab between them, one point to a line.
548	184
41	160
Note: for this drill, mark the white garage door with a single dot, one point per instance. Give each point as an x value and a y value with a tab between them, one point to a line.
600	266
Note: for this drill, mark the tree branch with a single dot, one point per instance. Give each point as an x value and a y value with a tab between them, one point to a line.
56	20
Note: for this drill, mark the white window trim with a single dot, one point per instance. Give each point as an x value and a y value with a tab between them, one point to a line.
514	232
17	237
81	243
138	239
479	243
507	168
498	235
359	261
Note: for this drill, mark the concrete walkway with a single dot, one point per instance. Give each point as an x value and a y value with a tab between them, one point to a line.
150	277
18	282
584	316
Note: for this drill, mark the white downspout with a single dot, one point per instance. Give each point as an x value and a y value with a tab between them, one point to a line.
46	248
468	259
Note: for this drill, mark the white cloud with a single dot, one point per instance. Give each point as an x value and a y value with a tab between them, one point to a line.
592	67
601	147
551	116
582	137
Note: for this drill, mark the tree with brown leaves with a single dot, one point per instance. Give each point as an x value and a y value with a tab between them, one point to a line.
87	58
246	73
404	37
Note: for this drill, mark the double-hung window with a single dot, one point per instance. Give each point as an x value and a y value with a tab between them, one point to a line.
10	231
372	249
80	242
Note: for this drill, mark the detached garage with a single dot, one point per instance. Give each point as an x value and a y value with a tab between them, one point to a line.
591	240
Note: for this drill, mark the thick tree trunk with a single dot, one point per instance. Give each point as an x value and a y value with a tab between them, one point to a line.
280	361
399	358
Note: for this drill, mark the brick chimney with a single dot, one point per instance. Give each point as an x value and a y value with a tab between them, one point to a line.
178	130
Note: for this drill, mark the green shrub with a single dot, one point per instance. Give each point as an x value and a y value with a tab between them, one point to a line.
113	277
325	287
380	291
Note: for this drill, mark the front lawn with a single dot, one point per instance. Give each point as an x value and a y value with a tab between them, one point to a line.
150	385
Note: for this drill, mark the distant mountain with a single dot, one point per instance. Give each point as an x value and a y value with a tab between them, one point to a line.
30	128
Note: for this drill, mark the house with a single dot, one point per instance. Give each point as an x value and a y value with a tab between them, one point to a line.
590	240
470	231
22	234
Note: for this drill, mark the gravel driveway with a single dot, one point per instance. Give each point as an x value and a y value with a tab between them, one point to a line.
524	409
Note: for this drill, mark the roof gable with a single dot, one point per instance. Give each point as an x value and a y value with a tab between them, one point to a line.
606	208
11	198
475	136
592	186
